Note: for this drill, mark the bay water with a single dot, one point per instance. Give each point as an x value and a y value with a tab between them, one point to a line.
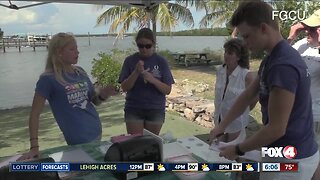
19	71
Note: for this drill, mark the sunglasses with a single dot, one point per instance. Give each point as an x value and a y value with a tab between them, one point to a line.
147	46
312	29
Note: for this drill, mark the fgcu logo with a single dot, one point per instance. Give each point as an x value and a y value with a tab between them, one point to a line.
288	152
289	15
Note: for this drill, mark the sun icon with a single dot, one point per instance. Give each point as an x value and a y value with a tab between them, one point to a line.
161	167
249	167
205	167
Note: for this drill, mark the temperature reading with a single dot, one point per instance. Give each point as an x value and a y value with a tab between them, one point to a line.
289	166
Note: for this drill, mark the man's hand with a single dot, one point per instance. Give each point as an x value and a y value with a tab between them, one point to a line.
295	30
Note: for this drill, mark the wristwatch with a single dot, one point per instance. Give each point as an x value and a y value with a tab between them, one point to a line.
238	151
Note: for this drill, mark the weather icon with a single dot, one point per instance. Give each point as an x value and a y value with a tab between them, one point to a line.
161	168
249	167
205	167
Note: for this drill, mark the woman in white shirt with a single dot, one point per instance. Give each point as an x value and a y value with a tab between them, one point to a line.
232	78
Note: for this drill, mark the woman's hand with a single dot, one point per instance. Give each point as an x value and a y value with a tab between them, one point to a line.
107	91
32	154
139	67
229	152
147	76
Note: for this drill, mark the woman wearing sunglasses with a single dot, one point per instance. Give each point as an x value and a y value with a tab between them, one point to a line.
147	79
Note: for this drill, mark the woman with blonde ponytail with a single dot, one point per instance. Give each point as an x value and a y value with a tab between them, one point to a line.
71	96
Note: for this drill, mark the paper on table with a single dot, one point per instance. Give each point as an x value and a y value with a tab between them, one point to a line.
76	155
10	159
217	147
251	155
174	149
104	148
254	155
201	149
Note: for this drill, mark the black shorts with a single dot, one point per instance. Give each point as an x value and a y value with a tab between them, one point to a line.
156	116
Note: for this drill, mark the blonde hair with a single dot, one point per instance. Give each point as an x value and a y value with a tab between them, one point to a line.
54	62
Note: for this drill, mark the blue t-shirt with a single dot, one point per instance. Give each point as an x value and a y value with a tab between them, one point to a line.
284	68
145	95
71	106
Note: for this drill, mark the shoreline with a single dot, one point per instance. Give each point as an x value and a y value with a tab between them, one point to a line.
16	107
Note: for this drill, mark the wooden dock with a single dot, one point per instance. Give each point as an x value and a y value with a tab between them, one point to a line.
18	43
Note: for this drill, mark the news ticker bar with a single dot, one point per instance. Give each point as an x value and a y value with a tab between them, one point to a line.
124	167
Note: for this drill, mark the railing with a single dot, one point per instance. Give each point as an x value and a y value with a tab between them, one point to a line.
19	43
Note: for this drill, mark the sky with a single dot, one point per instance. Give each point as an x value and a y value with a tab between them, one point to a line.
60	17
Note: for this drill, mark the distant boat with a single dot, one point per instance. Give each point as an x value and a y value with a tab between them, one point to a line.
38	38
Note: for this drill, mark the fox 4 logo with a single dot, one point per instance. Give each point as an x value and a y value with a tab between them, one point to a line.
288	152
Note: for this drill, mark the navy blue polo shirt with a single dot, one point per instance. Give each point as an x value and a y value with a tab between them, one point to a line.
145	95
285	69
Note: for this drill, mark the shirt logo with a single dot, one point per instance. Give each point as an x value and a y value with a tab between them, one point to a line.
308	72
156	72
77	94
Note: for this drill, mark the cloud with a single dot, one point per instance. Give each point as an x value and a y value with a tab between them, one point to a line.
80	20
51	18
8	16
28	20
57	17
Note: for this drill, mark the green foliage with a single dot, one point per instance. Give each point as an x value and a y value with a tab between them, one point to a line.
292	5
168	56
106	70
198	32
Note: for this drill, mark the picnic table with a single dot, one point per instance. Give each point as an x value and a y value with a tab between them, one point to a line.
188	57
93	151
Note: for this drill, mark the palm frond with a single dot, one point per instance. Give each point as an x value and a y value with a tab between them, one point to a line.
165	17
181	13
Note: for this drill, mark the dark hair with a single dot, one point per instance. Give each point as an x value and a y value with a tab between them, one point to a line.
145	33
254	13
236	45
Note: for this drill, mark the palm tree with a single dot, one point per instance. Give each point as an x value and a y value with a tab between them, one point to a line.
218	12
167	14
198	4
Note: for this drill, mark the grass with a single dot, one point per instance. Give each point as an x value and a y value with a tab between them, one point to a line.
201	74
15	136
14	122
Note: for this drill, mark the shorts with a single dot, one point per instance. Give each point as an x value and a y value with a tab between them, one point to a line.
155	116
